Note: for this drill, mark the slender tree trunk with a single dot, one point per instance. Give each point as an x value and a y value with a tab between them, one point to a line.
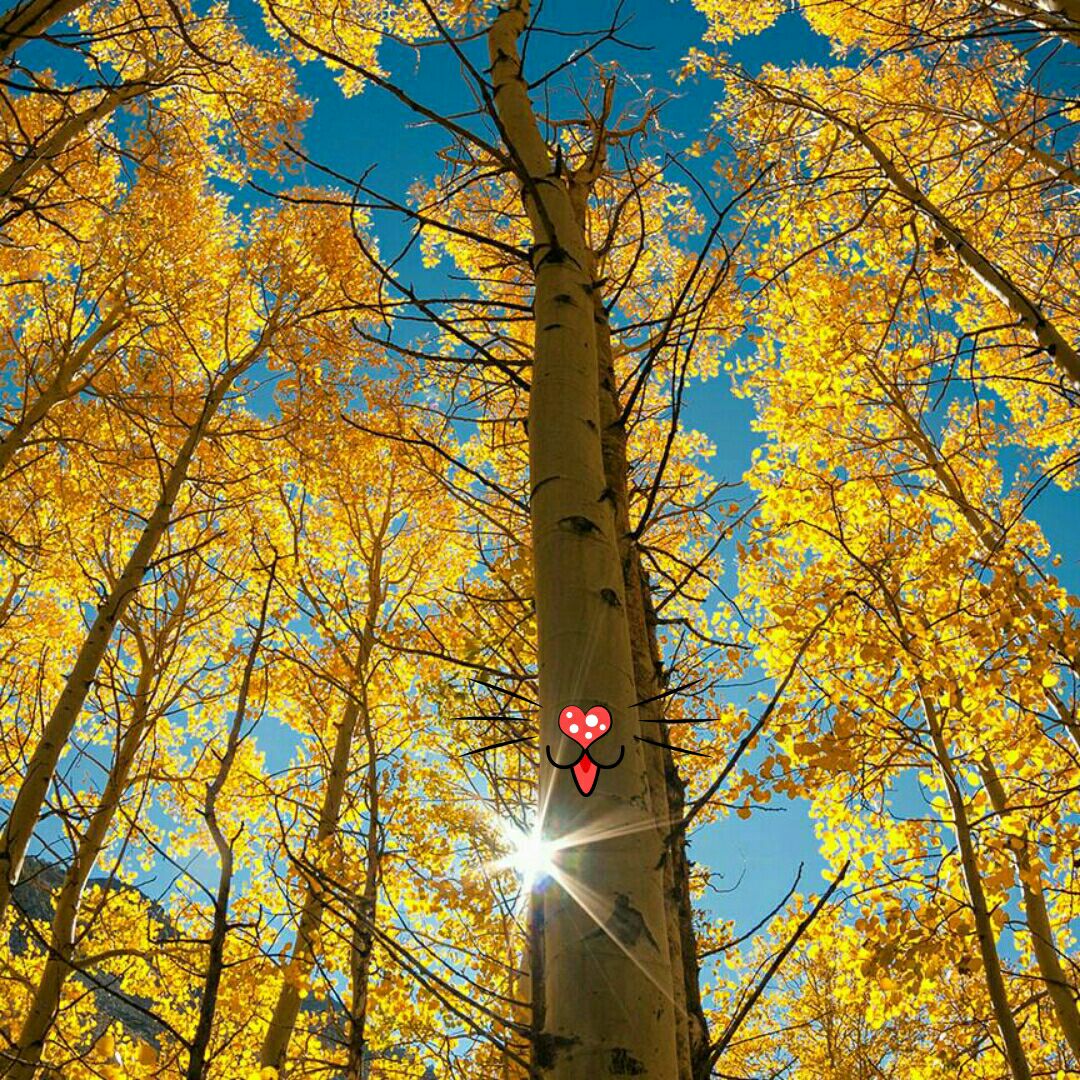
198	1052
991	276
45	1006
984	270
18	172
607	1008
1013	1047
59	389
1037	916
1061	17
20	825
989	535
1060	170
275	1045
30	20
363	941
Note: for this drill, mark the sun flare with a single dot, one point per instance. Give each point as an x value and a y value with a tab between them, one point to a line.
530	856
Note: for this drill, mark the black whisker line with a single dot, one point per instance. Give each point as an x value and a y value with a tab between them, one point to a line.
668	693
697	720
508	719
496	745
509	693
668	746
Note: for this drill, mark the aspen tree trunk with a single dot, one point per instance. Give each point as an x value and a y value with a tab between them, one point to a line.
363	941
606	1006
279	1033
1037	916
1061	17
988	534
275	1045
991	276
215	964
45	1006
20	825
1058	169
665	784
984	270
1013	1047
18	172
30	20
60	388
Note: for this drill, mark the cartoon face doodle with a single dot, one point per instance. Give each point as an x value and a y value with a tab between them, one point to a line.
586	729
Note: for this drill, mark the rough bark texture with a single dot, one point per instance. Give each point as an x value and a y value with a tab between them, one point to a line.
607	983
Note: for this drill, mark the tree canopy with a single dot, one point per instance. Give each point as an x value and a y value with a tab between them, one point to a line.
340	491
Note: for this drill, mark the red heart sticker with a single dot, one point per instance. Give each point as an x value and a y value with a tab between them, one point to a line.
585	728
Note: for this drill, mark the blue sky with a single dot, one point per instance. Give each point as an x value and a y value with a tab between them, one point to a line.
759	857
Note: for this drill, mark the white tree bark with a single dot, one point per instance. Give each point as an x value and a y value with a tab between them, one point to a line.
1061	17
1027	311
607	1000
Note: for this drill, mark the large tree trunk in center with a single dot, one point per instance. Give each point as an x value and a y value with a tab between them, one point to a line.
668	790
606	1009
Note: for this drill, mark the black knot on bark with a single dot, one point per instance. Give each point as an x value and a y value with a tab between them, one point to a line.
548	1047
627	925
623	1063
611	597
579	524
554	254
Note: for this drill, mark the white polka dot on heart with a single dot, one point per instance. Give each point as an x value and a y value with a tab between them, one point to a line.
591	721
573	729
588	734
603	727
568	713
